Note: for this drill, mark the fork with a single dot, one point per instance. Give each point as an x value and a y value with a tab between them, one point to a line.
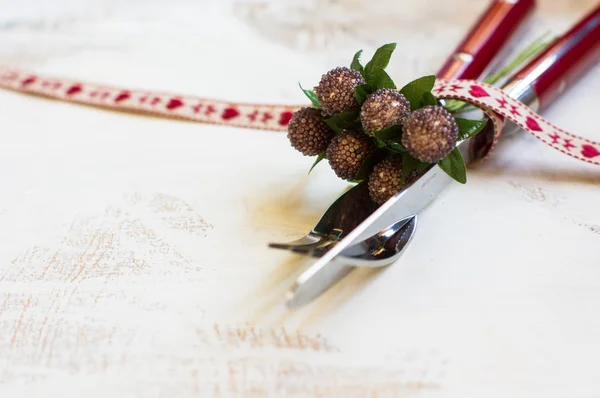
349	210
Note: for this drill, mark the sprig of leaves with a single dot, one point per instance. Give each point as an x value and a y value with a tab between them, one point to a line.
418	93
388	141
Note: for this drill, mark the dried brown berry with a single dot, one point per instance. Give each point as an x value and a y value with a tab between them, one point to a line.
308	133
347	151
384	108
430	133
336	90
384	180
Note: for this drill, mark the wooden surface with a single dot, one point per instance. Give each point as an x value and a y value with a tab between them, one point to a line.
133	257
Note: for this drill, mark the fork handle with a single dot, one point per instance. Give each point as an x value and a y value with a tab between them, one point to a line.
491	31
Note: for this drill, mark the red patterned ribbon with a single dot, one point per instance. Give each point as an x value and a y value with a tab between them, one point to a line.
495	102
499	106
256	116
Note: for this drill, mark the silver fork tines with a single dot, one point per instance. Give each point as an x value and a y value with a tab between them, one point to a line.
349	210
367	235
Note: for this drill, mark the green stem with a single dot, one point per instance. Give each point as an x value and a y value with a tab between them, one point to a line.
529	52
532	50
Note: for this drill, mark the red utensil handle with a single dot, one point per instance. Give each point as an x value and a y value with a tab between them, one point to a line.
569	57
495	26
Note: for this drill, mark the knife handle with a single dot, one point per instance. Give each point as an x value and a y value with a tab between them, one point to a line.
495	26
542	80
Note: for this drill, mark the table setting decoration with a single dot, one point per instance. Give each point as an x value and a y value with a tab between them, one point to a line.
400	147
168	231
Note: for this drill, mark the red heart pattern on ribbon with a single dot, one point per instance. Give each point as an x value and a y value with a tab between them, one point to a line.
493	101
254	116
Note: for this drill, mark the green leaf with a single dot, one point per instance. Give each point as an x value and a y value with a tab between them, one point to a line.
422	166
427	99
355	65
395	147
332	125
361	92
415	90
454	166
453	106
532	50
367	165
380	79
381	58
344	121
312	96
408	165
380	143
391	133
321	156
467	128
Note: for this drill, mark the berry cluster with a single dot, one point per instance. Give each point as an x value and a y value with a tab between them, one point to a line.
369	130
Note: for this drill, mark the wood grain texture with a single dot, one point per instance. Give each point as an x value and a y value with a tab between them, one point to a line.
133	255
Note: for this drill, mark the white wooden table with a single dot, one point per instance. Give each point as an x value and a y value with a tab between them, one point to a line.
133	254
